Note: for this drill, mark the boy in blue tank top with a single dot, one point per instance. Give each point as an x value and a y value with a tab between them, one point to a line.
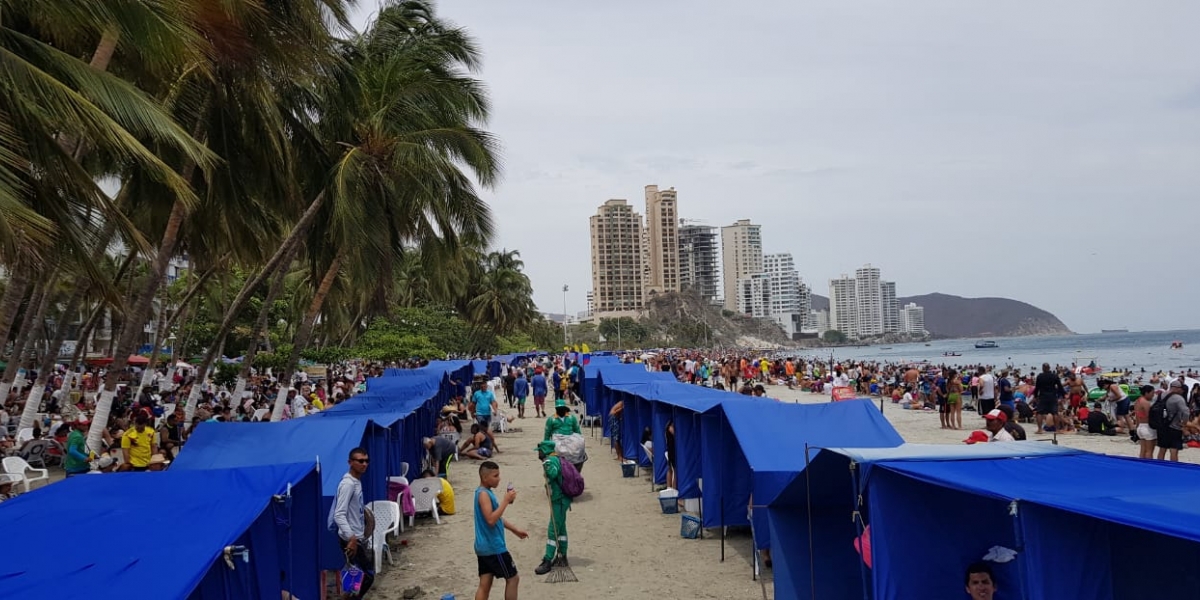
490	549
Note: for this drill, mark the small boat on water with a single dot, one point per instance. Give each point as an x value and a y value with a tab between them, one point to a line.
1176	345
1114	331
987	344
952	354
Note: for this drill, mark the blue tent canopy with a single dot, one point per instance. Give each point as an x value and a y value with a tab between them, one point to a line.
329	440
199	512
1095	518
830	488
772	436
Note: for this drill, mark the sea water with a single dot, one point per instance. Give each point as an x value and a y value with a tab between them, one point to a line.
1150	350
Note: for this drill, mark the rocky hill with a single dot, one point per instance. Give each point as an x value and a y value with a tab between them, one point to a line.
674	316
949	316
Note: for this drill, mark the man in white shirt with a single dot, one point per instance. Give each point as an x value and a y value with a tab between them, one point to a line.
996	419
987	390
350	520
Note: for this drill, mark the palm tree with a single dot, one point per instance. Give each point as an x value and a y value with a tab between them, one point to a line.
502	303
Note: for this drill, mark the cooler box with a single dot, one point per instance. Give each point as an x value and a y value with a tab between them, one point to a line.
669	500
629	469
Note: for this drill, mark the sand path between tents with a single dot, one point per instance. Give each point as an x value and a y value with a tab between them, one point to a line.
622	546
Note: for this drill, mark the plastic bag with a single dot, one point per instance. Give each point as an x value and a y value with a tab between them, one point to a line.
570	447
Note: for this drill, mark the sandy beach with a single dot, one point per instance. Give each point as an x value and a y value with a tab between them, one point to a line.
622	546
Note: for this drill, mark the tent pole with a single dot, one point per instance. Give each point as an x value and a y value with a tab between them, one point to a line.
721	499
1014	510
856	502
696	431
812	581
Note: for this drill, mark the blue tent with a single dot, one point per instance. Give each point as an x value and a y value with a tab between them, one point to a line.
236	445
824	505
591	381
1084	526
683	404
164	534
767	438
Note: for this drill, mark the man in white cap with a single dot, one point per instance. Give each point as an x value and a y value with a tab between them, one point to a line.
996	420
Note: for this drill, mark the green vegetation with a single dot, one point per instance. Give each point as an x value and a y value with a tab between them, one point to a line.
321	182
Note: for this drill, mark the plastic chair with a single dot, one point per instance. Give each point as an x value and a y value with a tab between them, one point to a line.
387	520
648	449
35	452
425	492
259	414
404	471
15	465
453	436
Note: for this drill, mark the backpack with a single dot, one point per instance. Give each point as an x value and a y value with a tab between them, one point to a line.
572	481
1158	413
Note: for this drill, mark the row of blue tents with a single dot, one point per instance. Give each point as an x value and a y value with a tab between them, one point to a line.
241	513
821	476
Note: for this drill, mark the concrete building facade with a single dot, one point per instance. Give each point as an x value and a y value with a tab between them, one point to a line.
913	318
891	307
662	240
754	295
617	270
700	261
869	298
741	256
843	310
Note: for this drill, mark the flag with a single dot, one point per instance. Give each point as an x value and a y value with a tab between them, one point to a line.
587	354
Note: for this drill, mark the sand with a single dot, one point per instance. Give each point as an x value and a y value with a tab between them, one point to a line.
622	546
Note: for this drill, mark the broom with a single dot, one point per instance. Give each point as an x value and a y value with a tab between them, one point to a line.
560	570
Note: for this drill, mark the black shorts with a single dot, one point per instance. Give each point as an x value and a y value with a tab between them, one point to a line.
500	566
1170	438
484	421
1047	406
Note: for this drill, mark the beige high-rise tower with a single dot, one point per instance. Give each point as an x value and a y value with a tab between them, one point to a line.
617	284
662	240
741	256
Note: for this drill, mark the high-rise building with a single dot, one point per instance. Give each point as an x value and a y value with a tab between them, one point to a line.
741	256
662	240
617	284
891	307
699	260
869	299
843	310
913	318
819	320
785	282
754	295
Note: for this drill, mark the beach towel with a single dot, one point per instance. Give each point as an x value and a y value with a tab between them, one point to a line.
401	491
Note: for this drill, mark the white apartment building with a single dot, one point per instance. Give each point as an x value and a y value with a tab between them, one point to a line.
843	310
819	320
754	295
913	318
617	270
869	299
741	256
891	307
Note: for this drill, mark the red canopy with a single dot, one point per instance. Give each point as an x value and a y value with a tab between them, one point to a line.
138	360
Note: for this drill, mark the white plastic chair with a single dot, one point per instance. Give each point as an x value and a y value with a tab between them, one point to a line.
404	480
15	465
259	414
24	435
425	492
35	452
499	421
649	450
387	520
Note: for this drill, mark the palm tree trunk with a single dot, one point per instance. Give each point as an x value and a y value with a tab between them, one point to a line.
303	333
10	304
16	358
44	370
134	320
261	326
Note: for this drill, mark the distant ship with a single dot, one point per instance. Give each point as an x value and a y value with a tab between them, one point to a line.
1114	331
987	344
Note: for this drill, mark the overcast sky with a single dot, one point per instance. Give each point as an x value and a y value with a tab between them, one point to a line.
1046	152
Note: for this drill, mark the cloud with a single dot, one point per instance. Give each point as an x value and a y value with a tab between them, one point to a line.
982	149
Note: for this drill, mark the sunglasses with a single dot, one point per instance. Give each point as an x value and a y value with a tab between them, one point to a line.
361	461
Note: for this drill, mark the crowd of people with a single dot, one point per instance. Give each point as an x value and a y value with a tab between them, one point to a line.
147	424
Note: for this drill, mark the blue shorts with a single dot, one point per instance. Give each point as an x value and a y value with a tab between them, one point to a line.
1122	407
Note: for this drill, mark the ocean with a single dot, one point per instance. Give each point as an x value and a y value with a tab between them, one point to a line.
1134	351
